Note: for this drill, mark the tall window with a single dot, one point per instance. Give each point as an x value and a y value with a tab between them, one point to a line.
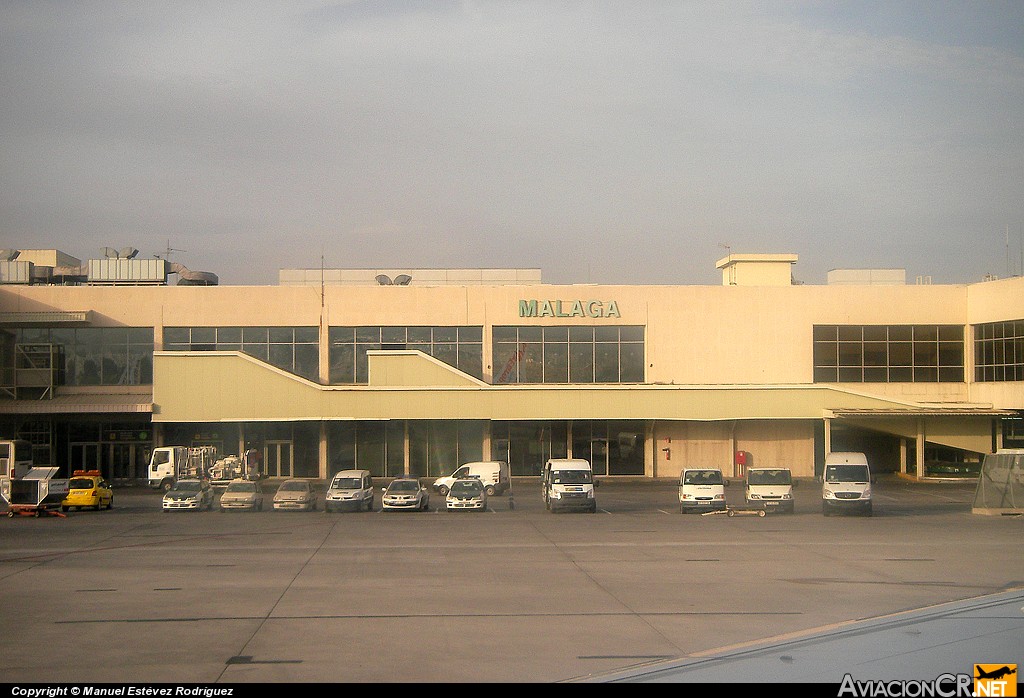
999	351
460	347
293	349
568	354
888	353
98	355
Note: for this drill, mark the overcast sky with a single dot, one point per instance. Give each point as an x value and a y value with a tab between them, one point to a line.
610	142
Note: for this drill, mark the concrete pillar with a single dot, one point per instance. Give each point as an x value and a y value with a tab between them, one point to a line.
903	456
919	450
322	454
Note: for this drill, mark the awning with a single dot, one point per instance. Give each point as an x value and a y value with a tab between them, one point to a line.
81	404
45	318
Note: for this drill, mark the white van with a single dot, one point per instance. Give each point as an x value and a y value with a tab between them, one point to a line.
701	489
350	489
771	488
847	483
568	483
492	473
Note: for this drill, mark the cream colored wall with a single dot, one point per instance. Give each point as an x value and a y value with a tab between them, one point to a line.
770	443
699	335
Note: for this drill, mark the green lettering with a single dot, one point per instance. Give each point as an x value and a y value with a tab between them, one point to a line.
527	308
545	309
612	310
558	310
594	308
577	309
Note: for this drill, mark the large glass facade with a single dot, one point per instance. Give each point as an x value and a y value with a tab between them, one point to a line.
612	447
526	445
92	355
568	354
435	447
461	347
293	349
888	353
999	351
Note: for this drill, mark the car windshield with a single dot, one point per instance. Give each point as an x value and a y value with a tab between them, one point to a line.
571	477
347	483
702	477
80	483
187	486
846	473
769	477
241	487
469	488
404	486
294	486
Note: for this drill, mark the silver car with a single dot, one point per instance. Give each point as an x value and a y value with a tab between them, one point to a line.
242	495
189	495
405	493
467	494
295	495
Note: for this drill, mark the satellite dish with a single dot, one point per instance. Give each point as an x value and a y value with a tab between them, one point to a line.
9	255
128	252
383	279
110	253
402	280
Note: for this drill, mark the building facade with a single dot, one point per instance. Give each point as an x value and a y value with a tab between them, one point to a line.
418	377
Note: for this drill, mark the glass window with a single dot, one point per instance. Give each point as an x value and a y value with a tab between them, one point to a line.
204	335
556	362
281	335
229	335
255	335
446	334
880	353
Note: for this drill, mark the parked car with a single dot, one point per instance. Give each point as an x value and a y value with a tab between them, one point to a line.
771	488
701	489
405	493
295	495
87	488
846	486
568	484
467	494
242	495
493	474
350	489
189	494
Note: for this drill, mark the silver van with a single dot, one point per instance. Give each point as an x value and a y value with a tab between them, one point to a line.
350	489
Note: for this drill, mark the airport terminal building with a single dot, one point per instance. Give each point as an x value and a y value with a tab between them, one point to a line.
416	371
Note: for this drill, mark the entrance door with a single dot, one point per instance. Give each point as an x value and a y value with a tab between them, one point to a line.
84	456
128	461
277	458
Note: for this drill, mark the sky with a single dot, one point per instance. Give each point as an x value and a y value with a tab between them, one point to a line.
618	142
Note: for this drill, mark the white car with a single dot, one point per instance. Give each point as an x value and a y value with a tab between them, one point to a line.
467	494
349	489
242	495
189	495
295	495
405	493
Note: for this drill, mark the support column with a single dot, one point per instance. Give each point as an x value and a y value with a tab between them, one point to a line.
903	456
650	454
828	436
322	455
486	446
919	450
